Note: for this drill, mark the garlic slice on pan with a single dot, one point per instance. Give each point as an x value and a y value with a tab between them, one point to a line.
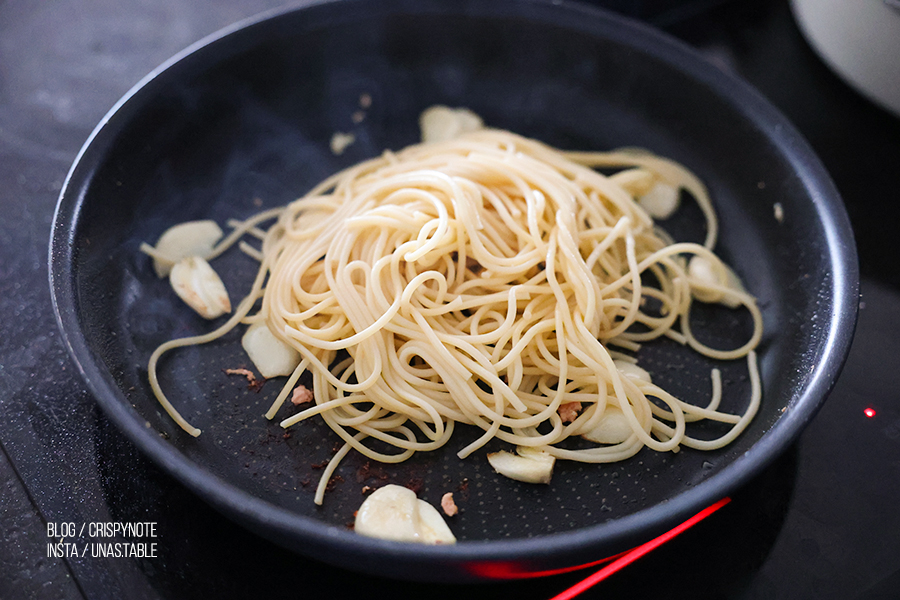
660	201
613	428
632	371
394	513
200	287
441	123
712	282
270	356
528	464
192	238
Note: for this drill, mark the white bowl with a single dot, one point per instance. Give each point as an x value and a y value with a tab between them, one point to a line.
860	41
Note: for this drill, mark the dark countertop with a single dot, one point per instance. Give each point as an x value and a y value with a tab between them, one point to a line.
820	523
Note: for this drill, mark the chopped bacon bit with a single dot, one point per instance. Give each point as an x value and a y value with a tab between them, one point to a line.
253	383
448	504
568	412
287	435
301	395
321	465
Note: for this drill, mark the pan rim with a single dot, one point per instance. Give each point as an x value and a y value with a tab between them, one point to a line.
282	524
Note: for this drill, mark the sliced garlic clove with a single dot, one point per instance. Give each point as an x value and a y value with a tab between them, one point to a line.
711	282
200	287
701	271
632	371
529	465
535	454
636	181
394	513
441	123
390	513
340	141
661	201
613	428
432	527
271	356
193	238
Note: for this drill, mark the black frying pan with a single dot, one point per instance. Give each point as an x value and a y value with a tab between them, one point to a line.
248	114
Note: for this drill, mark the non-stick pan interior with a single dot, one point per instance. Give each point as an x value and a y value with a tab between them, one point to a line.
243	122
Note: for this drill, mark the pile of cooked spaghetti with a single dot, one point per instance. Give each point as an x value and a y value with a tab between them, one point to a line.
492	281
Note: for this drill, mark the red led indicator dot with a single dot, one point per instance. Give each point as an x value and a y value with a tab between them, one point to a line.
869	412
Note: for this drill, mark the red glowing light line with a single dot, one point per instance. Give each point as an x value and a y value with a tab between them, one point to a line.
637	553
513	571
